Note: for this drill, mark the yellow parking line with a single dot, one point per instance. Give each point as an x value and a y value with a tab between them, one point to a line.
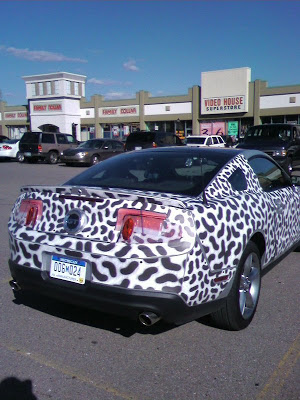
67	371
281	373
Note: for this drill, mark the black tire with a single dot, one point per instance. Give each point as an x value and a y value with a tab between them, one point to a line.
94	159
52	157
240	305
20	157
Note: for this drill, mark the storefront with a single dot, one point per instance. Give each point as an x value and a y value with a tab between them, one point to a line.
226	103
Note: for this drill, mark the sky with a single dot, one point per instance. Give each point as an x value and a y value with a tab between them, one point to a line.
160	46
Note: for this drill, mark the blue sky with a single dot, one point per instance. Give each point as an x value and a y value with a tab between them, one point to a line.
159	46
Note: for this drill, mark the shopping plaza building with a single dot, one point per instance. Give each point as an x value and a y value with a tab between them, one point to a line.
227	102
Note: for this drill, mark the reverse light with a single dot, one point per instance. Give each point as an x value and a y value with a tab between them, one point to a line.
30	212
140	223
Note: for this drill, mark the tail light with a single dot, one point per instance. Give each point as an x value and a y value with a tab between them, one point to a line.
6	147
154	144
138	226
40	148
30	212
138	223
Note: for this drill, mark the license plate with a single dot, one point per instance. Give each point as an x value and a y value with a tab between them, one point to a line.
138	148
68	269
27	154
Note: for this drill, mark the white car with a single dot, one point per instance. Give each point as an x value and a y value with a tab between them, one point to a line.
205	140
10	149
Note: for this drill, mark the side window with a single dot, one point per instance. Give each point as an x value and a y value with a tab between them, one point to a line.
215	140
70	139
107	146
117	146
208	142
61	139
269	175
48	138
238	180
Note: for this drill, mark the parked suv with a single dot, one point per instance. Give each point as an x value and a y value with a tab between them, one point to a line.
205	140
45	146
143	140
280	141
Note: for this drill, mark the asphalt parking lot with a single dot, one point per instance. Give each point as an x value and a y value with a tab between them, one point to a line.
50	350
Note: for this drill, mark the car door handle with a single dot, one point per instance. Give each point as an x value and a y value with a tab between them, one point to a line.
279	206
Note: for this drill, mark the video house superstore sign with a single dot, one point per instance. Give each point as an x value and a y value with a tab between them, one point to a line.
225	104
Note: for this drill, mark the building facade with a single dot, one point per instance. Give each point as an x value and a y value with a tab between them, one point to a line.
226	103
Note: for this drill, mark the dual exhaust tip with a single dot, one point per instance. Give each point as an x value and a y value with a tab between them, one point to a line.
15	286
146	318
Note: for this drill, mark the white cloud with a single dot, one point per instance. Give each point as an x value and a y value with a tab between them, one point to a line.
130	65
117	95
39	55
103	82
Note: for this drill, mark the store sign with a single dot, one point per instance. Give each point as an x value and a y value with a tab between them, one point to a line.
225	104
118	111
15	115
47	107
233	128
225	91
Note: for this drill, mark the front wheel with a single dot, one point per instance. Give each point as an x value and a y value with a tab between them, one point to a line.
95	159
240	305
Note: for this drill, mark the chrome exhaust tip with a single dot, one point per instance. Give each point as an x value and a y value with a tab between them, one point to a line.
15	286
148	318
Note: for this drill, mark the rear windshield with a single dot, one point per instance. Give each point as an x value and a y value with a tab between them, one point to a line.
30	137
92	144
181	172
141	137
194	140
269	132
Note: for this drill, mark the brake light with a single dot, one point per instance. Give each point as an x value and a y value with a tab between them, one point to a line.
6	147
30	212
40	148
138	223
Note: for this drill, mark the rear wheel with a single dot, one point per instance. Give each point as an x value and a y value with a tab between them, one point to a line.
95	159
20	157
240	305
52	157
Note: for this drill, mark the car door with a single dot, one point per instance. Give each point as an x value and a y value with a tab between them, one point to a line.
282	203
106	149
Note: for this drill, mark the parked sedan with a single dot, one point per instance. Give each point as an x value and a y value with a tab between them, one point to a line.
92	151
10	150
169	233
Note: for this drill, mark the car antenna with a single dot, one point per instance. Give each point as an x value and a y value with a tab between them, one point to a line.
203	183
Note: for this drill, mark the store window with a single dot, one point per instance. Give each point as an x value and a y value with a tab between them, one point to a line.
41	88
68	83
76	88
56	87
49	89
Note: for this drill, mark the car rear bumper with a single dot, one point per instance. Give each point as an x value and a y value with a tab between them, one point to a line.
111	299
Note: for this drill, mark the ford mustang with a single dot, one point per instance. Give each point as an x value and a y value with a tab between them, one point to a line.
169	233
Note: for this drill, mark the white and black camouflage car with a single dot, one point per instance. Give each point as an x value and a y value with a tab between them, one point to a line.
167	233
